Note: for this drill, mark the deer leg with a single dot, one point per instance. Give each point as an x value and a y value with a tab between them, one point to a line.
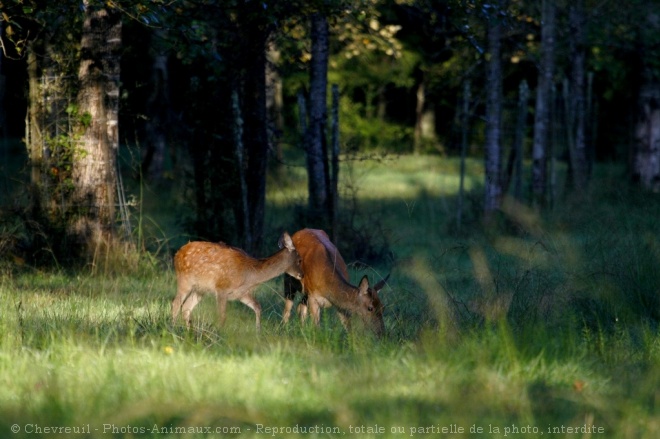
222	308
291	287
252	303
302	309
176	307
182	293
188	305
315	311
286	314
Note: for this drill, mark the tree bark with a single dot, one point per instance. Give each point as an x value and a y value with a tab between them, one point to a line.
256	139
315	141
334	186
514	165
33	132
542	114
493	183
578	141
419	115
274	103
646	152
3	114
244	220
92	224
465	120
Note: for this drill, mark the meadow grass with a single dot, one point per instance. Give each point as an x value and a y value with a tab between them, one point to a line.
538	324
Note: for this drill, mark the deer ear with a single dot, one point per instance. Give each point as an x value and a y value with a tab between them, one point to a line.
364	285
379	286
286	241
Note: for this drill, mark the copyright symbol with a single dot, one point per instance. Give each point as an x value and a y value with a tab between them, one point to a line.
15	428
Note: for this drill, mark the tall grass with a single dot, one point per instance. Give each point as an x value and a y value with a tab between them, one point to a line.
540	324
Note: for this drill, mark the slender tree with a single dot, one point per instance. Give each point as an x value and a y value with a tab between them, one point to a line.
158	109
315	140
514	164
577	96
334	183
493	183
256	131
543	103
465	121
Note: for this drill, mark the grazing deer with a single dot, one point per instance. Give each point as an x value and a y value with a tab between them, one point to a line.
326	284
229	273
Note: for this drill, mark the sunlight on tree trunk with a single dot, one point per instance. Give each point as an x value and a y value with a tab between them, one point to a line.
33	132
46	128
94	165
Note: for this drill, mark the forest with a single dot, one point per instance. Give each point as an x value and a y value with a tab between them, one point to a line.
492	166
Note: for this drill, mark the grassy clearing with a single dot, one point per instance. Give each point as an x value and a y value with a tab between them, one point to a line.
535	326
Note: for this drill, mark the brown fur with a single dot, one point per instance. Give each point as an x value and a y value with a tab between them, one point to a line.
326	283
229	273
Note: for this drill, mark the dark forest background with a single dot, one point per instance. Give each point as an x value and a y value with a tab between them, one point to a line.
215	96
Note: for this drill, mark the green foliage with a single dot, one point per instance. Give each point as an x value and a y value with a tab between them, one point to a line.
371	133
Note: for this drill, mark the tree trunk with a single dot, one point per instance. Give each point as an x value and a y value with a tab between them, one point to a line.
158	112
94	165
493	183
419	115
646	152
578	143
256	138
315	141
514	165
465	119
3	106
274	103
542	113
44	122
244	216
33	133
334	186
552	148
